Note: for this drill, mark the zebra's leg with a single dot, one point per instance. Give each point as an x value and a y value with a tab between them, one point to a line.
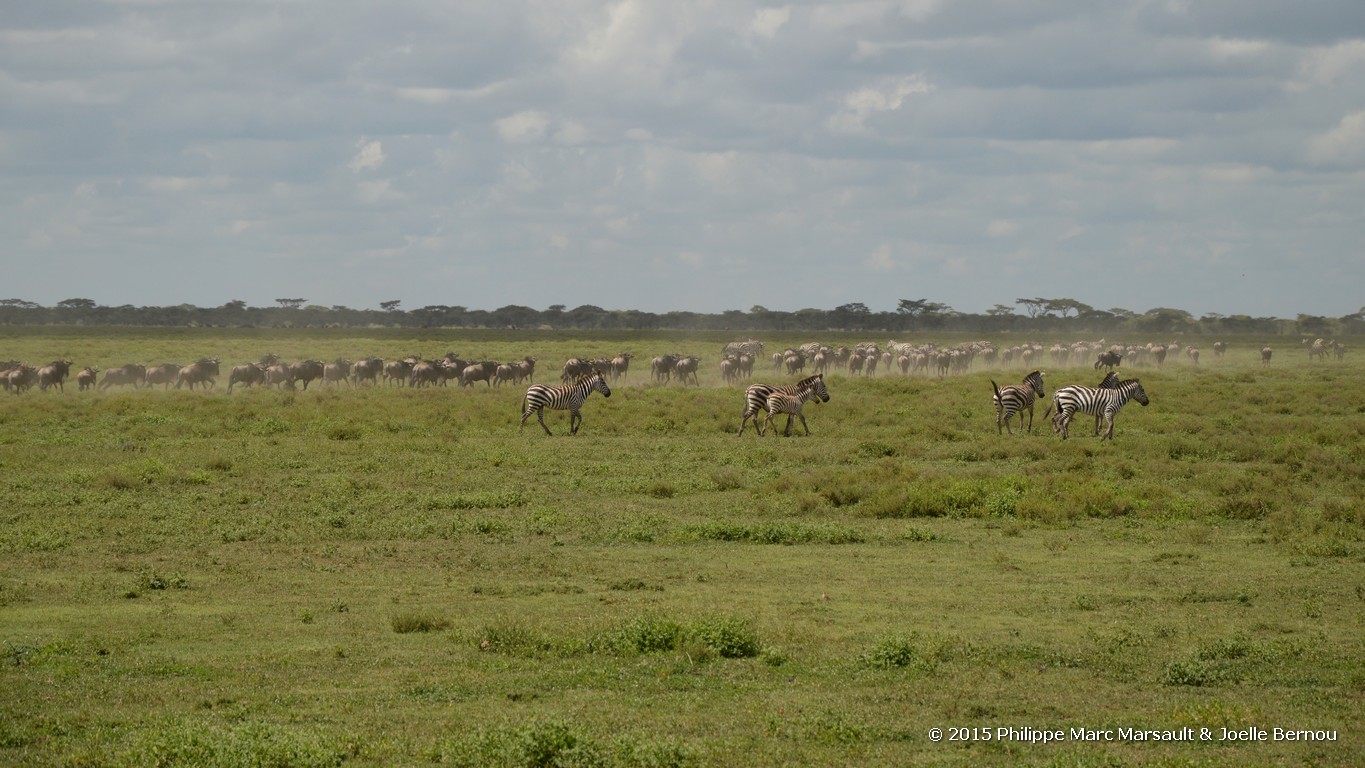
575	419
1064	423
540	414
1030	418
787	432
803	423
1109	420
744	421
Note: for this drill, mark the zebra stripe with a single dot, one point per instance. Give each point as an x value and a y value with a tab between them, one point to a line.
756	397
1016	398
1101	402
566	398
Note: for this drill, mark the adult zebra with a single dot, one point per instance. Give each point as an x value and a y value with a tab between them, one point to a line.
566	398
1016	398
756	398
1101	402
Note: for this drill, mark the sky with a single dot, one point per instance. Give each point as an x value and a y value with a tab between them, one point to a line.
686	156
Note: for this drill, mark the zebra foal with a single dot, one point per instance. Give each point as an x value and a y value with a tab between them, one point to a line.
780	402
566	398
756	398
1016	398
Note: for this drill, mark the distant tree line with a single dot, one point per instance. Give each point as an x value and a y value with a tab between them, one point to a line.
1038	315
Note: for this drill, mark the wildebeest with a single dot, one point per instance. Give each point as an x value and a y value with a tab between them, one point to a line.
686	368
198	372
425	373
86	378
130	373
279	375
480	371
366	370
53	374
19	379
306	371
246	375
662	367
337	371
1110	359
163	374
396	372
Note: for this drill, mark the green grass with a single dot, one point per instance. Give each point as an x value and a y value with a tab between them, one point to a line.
396	577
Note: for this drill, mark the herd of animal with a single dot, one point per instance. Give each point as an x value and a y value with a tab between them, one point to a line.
581	377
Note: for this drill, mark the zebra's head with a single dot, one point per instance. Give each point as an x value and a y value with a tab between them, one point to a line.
816	385
1111	381
1035	380
1135	391
598	382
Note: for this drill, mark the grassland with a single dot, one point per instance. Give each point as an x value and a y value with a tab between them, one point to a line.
400	577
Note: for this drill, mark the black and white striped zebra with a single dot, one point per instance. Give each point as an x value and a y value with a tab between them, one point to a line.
566	398
781	402
1016	398
1102	402
756	398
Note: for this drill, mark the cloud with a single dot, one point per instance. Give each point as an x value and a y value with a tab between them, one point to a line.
767	21
1342	145
526	127
888	95
369	158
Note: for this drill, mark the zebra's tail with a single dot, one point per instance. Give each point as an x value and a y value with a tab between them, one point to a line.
996	387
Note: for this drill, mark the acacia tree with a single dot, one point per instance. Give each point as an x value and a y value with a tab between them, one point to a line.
291	303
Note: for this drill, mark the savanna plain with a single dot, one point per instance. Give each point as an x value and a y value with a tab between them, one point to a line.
399	576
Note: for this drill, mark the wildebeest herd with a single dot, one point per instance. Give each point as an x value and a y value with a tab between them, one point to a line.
581	376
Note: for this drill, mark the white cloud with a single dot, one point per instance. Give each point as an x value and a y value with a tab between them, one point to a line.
1002	228
1344	144
886	96
881	260
767	21
370	157
526	127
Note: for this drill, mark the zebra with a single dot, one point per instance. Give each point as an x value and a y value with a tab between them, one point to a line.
781	402
756	398
1016	398
1104	402
566	398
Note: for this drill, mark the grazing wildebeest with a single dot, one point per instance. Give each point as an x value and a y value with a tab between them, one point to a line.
129	373
53	374
198	372
246	375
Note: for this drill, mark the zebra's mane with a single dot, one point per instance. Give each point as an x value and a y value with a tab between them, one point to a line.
809	380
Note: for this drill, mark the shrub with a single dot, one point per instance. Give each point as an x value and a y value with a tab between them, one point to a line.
418	621
892	652
729	637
